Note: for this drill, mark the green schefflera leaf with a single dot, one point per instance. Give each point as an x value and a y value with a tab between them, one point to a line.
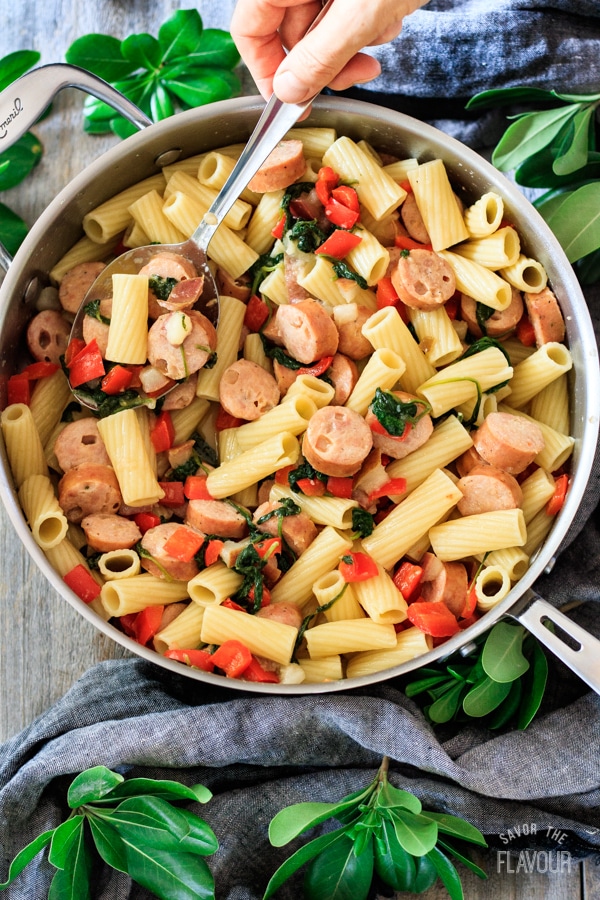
18	161
447	873
100	54
445	707
528	134
573	151
535	685
93	784
456	827
180	35
416	834
300	857
502	658
504	96
293	820
392	863
72	881
576	221
170	875
13	229
62	839
165	789
390	796
16	64
24	857
485	696
142	51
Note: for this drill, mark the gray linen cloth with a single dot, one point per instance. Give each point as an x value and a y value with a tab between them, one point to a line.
261	753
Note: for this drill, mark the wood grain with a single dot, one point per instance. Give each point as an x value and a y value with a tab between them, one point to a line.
44	646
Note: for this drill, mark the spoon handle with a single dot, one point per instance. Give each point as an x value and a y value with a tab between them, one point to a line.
276	120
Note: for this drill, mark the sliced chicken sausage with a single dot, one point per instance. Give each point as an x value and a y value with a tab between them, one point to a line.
94	328
76	283
337	441
216	517
349	320
162	563
181	360
247	391
413	220
423	280
487	488
399	446
183	295
89	488
307	330
105	532
284	165
80	442
500	323
48	336
344	375
449	586
167	264
298	531
508	442
282	611
545	316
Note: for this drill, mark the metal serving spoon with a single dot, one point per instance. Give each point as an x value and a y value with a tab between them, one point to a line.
276	120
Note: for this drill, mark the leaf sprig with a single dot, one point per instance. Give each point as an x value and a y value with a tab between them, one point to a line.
385	832
18	161
135	828
184	67
501	683
555	148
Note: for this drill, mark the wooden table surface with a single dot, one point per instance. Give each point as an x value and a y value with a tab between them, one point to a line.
44	646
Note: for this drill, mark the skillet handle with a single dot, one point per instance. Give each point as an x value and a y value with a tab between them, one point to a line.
23	102
583	657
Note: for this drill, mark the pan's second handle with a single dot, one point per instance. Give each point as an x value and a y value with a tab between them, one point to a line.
583	658
24	101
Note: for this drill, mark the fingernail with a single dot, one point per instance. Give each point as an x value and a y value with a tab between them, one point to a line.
288	87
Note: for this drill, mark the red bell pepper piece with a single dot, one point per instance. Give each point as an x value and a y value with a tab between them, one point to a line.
162	433
147	623
183	544
407	243
525	332
225	420
233	657
195	488
327	180
145	521
312	487
340	215
391	488
319	368
174	495
339	244
268	547
556	501
117	380
406	186
231	604
127	623
74	347
197	659
86	365
386	293
212	551
433	618
357	567
451	306
41	369
470	605
278	230
407	578
347	196
340	487
257	313
266	596
82	583
378	428
255	672
282	475
18	389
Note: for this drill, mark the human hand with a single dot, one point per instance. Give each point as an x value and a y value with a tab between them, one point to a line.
329	56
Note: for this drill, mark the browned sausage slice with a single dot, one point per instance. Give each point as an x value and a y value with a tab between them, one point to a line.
467	460
545	316
284	165
344	375
182	394
162	563
450	586
284	376
349	320
94	328
169	265
88	489
184	294
501	322
106	532
232	287
423	280
282	611
80	442
180	361
48	336
76	283
487	488
337	441
508	442
299	531
247	391
414	435
307	330
413	220
216	517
